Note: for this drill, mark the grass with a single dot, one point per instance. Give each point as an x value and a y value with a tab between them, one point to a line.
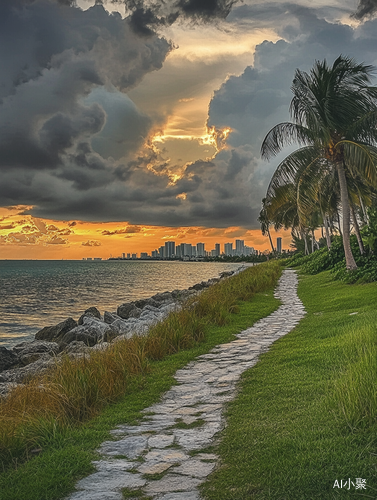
182	425
86	409
306	414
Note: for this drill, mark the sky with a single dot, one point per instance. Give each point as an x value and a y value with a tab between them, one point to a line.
127	123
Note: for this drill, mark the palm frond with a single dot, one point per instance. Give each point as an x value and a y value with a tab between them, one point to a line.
286	171
282	135
361	159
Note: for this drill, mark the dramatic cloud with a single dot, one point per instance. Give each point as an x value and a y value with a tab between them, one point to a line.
147	16
366	8
35	232
254	102
75	146
59	66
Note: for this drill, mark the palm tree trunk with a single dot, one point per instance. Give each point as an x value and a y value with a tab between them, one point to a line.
357	230
312	241
328	239
350	261
303	236
340	231
366	218
269	235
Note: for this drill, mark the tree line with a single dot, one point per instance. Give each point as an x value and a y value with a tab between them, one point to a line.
330	181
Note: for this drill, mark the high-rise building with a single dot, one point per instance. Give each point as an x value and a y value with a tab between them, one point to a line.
123	255
169	249
228	249
161	252
128	256
143	255
134	255
200	251
240	247
181	249
186	250
217	249
278	245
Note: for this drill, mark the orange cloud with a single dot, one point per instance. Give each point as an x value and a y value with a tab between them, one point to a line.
29	238
91	243
126	230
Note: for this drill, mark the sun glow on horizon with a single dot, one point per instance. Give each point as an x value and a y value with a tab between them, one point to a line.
23	236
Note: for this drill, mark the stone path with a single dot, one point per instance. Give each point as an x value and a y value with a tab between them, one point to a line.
163	455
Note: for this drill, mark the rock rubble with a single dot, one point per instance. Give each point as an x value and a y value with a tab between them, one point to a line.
90	331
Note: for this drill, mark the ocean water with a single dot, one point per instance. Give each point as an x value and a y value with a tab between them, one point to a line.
34	294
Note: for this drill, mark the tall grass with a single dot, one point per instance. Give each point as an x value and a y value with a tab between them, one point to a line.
306	413
355	389
76	390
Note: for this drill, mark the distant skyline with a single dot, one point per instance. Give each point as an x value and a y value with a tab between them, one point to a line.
121	130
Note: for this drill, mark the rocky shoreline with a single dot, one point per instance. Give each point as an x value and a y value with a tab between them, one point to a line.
91	331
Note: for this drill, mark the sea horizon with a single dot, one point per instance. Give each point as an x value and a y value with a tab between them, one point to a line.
35	293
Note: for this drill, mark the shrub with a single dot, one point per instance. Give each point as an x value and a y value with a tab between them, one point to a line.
334	260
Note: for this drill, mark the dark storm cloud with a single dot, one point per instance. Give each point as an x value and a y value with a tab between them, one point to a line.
147	16
366	8
55	60
70	139
255	101
52	55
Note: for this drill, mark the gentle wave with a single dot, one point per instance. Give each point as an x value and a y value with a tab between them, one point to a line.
34	294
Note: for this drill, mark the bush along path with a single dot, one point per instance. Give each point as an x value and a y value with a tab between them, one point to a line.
164	457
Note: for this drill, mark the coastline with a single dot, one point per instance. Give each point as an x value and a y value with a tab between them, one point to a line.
92	331
37	293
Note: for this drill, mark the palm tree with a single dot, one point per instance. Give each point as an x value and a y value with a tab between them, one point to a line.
265	223
334	111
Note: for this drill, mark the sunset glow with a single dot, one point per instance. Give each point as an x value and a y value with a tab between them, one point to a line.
129	130
25	237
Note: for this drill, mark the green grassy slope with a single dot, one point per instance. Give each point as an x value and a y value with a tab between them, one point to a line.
306	414
66	454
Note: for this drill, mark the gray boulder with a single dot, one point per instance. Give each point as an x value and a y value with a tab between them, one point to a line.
152	309
81	333
100	347
6	387
110	317
121	326
36	346
225	274
146	302
56	332
92	311
90	332
197	287
213	281
168	308
128	310
18	375
150	316
28	352
8	359
76	347
163	297
135	313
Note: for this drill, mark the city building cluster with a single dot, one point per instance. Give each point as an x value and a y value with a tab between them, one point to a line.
188	251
